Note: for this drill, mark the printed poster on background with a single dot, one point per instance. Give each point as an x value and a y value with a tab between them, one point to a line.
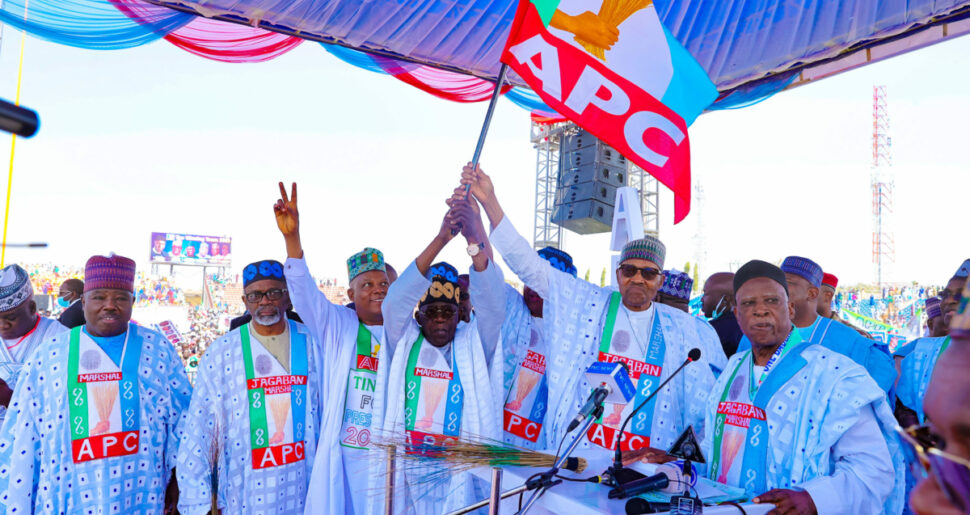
190	249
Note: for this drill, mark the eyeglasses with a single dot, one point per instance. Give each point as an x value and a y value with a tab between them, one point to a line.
649	273
439	312
924	456
957	295
256	296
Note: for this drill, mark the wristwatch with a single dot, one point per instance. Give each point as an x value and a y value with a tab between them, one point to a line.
475	248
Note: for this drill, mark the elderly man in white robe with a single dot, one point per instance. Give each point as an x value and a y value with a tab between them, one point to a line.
442	386
22	329
352	350
95	421
255	410
794	423
587	323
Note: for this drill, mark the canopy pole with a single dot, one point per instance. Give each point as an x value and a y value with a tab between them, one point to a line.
13	144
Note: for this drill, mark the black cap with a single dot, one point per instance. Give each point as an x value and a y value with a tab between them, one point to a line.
756	268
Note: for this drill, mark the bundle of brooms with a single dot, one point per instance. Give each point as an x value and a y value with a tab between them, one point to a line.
462	455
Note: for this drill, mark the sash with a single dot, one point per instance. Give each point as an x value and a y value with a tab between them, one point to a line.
647	374
361	387
516	421
454	398
109	394
275	449
754	462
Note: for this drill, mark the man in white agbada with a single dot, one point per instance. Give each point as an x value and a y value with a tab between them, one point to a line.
22	329
94	424
352	351
255	410
794	423
585	323
525	388
439	383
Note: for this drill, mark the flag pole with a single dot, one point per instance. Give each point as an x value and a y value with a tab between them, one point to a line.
488	115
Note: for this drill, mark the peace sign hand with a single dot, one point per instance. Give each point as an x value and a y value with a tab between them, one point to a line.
287	215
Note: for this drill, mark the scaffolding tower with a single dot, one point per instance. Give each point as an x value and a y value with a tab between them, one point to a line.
547	139
883	185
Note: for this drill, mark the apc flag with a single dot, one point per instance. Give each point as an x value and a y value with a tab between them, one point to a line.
614	69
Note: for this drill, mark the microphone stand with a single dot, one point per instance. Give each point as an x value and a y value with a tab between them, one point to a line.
545	480
615	470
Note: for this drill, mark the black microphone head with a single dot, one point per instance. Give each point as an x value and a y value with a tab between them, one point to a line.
637	505
694	354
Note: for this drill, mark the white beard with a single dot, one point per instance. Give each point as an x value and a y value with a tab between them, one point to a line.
269	319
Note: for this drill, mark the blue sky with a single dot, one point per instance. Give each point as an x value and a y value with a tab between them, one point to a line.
156	139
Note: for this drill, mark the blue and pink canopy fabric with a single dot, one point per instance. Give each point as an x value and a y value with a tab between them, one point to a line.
451	48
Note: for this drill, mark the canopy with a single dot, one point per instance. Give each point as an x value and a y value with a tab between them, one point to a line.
743	44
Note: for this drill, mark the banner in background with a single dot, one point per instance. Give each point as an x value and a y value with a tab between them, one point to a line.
190	249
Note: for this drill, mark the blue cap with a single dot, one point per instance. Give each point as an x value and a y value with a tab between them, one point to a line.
804	268
559	260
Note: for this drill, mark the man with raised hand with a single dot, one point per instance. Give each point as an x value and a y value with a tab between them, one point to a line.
804	278
22	329
587	323
255	410
796	424
442	384
95	422
353	351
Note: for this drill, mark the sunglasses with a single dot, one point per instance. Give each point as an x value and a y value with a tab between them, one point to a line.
957	295
649	273
921	448
439	312
256	296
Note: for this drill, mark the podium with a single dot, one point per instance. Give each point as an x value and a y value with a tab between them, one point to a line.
581	498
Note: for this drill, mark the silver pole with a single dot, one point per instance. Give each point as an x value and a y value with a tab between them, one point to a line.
486	502
389	482
495	496
488	114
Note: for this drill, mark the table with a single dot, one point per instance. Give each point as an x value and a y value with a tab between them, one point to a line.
574	498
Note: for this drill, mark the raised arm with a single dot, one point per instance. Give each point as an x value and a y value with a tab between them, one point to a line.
524	261
486	283
316	310
404	294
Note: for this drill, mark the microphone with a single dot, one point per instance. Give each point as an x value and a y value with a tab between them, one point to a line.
639	506
613	385
693	355
667	479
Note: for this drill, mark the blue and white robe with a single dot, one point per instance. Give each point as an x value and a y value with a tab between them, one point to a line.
37	473
574	312
916	372
815	396
219	417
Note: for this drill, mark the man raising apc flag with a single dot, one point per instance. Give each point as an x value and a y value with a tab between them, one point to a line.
618	74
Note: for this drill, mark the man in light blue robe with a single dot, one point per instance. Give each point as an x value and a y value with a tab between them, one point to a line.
94	425
586	323
794	423
255	410
916	369
804	278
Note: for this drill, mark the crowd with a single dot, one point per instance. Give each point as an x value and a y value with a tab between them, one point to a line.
297	406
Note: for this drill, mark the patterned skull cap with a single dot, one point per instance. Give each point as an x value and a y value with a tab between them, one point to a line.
804	268
262	270
15	288
677	284
109	273
365	261
648	248
559	260
444	285
933	307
